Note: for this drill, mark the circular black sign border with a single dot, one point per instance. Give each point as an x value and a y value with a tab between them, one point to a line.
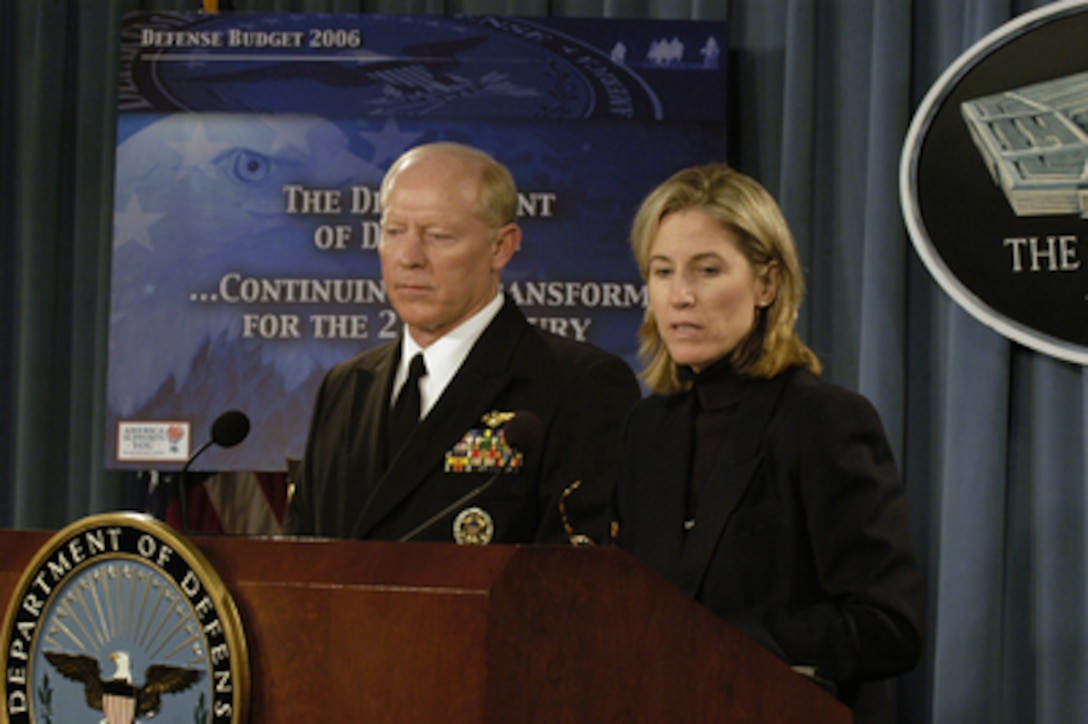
923	119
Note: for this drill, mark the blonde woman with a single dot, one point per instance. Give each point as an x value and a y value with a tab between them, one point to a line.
765	492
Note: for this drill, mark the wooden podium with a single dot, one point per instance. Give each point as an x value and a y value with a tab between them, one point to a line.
424	632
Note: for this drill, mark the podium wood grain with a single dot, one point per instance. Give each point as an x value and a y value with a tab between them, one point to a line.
424	632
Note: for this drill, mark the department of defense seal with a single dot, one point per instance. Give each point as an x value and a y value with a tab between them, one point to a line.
119	615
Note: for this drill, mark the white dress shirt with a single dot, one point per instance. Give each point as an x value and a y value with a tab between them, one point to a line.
443	357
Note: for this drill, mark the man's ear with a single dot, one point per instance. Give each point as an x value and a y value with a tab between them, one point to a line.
507	242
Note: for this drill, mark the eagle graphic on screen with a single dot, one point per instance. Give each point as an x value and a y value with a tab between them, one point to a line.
143	701
199	198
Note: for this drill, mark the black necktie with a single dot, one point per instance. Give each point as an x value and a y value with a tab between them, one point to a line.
405	414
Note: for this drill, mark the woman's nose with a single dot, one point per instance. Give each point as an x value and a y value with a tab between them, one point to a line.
681	293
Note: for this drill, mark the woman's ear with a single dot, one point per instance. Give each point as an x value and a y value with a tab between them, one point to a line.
768	285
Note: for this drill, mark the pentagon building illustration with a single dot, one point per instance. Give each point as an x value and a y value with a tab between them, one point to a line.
1034	141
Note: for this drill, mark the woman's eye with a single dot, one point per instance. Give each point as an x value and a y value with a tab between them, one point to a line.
660	272
709	270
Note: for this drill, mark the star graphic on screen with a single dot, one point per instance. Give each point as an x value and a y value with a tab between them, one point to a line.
296	133
388	143
134	224
198	151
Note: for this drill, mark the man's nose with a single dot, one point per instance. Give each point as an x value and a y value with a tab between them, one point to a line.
410	250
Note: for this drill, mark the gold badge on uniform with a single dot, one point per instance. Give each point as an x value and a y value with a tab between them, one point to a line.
473	526
495	418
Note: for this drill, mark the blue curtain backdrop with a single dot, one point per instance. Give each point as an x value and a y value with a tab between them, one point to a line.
990	436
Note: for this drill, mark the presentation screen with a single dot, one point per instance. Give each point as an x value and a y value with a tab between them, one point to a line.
250	150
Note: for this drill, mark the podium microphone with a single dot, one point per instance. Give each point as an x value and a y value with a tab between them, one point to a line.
524	432
228	430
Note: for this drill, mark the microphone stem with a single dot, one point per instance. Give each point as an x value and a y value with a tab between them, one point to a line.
183	499
450	508
183	492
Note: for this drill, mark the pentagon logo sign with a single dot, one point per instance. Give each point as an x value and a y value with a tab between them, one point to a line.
994	180
119	619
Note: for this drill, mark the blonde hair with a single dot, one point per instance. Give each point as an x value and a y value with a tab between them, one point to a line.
498	202
740	204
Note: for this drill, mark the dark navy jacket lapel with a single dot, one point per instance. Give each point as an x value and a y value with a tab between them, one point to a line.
370	390
666	502
734	473
481	379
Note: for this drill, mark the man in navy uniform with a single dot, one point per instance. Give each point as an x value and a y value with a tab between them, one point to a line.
448	229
